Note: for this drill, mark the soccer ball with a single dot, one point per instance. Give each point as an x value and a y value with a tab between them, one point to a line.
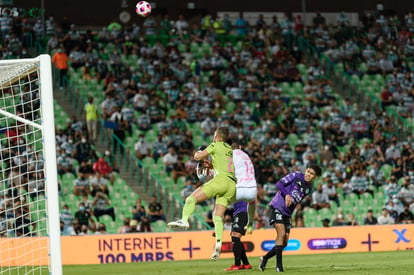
204	173
143	8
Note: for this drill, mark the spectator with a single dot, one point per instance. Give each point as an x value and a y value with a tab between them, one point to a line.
83	150
84	230
241	25
170	160
67	218
144	225
84	217
370	219
103	168
125	227
85	169
330	189
101	229
64	163
61	60
187	190
385	218
208	127
318	20
352	221
133	226
179	169
23	225
339	220
101	206
121	125
142	148
359	183
92	120
406	193
406	217
138	211
155	210
392	153
326	222
81	186
320	199
181	25
391	189
99	183
376	175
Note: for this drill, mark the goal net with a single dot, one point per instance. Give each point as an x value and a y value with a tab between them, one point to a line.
29	201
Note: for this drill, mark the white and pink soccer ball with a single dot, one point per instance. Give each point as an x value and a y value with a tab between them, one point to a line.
143	8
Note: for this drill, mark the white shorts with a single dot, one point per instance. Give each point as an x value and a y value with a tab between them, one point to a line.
246	193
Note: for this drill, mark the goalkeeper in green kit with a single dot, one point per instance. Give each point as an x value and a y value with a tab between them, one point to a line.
222	186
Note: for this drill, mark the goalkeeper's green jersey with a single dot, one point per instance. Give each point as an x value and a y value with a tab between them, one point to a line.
222	158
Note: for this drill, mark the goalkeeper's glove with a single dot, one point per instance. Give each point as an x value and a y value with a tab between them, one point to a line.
249	228
202	147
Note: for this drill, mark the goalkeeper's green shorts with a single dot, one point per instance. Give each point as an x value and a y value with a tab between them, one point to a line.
223	187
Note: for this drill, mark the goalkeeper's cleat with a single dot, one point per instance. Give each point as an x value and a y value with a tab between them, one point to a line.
216	253
279	269
247	266
178	224
262	264
249	229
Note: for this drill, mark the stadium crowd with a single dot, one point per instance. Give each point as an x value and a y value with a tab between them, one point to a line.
166	86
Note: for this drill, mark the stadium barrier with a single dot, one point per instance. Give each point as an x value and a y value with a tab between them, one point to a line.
142	247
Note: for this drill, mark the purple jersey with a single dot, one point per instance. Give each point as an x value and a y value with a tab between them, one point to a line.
292	184
239	207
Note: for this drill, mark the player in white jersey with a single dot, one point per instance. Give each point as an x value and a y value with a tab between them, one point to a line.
246	187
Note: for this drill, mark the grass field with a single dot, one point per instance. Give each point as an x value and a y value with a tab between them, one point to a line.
397	262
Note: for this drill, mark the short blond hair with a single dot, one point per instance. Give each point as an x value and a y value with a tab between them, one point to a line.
223	133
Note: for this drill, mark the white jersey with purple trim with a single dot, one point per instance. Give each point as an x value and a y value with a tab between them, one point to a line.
246	187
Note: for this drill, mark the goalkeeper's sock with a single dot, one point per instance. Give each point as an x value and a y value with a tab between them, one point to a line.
189	207
218	227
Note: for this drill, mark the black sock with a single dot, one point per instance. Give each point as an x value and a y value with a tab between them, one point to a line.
237	250
243	255
270	253
279	250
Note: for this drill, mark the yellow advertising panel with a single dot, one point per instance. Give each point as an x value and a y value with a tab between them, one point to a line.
169	246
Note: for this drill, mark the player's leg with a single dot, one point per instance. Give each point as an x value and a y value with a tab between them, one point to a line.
241	221
225	188
251	210
237	231
218	215
249	195
190	204
237	251
282	241
275	219
196	197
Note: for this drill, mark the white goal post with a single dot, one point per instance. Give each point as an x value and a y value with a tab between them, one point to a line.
29	194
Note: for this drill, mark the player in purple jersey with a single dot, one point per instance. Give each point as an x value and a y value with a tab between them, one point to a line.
293	188
238	229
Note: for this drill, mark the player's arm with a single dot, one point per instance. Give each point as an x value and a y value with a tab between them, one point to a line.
202	153
283	182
